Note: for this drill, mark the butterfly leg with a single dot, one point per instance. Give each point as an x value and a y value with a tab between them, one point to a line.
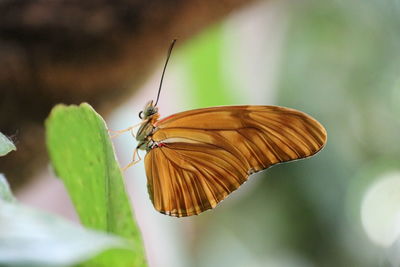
134	160
133	135
118	133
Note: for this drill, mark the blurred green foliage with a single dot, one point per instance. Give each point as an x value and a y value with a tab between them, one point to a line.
203	63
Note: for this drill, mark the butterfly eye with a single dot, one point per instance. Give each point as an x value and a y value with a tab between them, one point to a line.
141	114
152	111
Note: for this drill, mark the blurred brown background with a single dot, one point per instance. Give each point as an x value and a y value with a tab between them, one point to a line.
72	51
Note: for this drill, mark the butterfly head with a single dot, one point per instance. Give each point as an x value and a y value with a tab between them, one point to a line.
149	111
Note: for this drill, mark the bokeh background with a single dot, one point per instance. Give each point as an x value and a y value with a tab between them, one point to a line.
338	61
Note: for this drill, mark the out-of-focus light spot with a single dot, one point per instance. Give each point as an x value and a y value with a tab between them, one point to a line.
380	209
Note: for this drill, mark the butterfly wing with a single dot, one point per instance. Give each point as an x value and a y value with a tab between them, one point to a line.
206	154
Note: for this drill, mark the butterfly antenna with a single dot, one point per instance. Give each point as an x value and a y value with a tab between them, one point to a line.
165	66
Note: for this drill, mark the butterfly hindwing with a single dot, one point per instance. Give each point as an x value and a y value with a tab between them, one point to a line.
208	153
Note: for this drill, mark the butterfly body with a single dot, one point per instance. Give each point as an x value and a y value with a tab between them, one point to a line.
197	158
149	116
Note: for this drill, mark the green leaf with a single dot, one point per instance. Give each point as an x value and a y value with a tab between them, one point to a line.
5	192
83	157
6	146
33	238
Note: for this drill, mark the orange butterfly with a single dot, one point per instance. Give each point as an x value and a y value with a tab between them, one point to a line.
197	158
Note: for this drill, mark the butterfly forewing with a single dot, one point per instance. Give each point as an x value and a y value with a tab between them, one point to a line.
208	153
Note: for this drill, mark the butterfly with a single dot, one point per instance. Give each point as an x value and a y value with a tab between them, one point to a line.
196	158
